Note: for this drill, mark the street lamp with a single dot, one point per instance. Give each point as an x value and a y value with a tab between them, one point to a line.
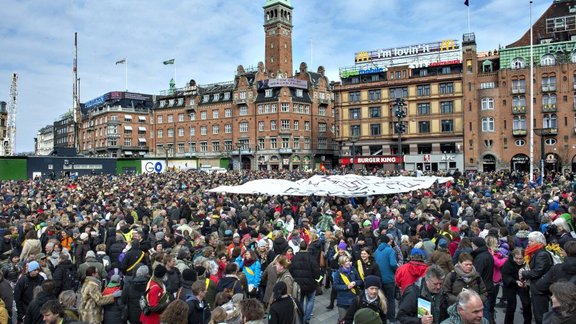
400	127
239	146
354	139
541	132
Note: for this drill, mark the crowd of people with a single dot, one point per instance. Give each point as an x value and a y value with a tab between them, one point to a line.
160	248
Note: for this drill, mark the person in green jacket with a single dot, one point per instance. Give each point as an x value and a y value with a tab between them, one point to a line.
467	310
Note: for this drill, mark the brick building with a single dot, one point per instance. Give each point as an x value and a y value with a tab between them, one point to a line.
424	83
497	97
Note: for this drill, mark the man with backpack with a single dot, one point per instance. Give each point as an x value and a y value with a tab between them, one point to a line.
24	290
65	275
306	272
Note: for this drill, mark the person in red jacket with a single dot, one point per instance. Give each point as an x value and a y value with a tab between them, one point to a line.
410	272
156	296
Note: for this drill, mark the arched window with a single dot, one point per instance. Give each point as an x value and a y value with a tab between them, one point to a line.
547	59
519	122
517	63
487	103
549	99
487	124
550	121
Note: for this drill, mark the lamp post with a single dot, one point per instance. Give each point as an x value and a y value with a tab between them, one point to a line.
541	132
354	139
239	146
400	127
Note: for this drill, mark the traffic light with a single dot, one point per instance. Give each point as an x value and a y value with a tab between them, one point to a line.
399	111
400	127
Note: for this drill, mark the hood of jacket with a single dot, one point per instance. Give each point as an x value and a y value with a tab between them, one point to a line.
383	246
139	283
227	282
417	268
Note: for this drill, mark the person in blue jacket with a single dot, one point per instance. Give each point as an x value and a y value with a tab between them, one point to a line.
347	284
385	257
250	266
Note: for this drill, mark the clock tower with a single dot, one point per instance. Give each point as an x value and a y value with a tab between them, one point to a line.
278	28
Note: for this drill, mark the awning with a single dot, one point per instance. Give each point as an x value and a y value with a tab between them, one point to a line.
128	117
142	140
142	118
141	129
127	152
128	128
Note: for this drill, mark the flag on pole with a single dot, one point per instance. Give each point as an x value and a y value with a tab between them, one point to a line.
171	61
466	3
122	61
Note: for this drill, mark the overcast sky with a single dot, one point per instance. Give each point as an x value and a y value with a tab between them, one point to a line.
208	39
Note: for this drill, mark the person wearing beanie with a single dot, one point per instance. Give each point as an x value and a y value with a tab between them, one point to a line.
133	291
367	316
91	261
205	273
442	257
385	257
189	276
24	289
157	296
113	311
282	310
82	248
371	298
410	272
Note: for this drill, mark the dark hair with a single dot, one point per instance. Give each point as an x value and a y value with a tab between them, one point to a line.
465	256
280	289
465	243
565	293
231	268
90	271
251	309
54	307
48	286
303	245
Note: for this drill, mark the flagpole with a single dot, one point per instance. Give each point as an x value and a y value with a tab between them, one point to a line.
174	71
532	100
126	74
468	9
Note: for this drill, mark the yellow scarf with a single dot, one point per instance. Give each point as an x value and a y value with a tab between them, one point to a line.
347	282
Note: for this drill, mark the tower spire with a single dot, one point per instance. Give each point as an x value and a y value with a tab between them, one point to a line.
278	29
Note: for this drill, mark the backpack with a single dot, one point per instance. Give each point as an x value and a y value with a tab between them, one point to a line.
296	290
71	280
555	259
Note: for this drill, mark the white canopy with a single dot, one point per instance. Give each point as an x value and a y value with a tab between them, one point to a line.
349	185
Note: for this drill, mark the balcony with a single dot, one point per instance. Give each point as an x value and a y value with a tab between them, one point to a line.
285	151
550	131
548	88
518	109
324	101
516	90
549	108
519	132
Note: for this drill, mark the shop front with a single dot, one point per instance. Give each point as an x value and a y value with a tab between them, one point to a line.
434	162
520	163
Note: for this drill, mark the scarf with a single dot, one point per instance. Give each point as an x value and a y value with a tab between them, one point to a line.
248	263
466	277
368	299
530	250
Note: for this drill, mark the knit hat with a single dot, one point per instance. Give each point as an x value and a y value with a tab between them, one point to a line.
341	246
33	265
442	243
372	281
114	281
90	254
417	251
478	241
83	236
189	275
367	316
159	236
142	271
262	243
159	271
235	235
366	223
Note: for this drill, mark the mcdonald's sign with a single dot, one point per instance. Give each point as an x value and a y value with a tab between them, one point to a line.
446	45
362	57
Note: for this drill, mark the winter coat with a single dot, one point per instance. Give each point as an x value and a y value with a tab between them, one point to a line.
408	273
386	259
369	268
559	272
30	247
33	315
6	293
555	317
91	262
442	258
286	277
230	281
4	316
59	275
92	301
157	298
408	306
484	264
361	302
455	317
269	276
281	311
540	263
253	272
173	282
499	261
114	252
344	295
131	298
130	259
23	292
198	311
305	270
113	311
457	280
81	250
186	290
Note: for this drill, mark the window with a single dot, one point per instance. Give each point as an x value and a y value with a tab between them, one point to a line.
226	95
170	132
180	147
424	126
375	129
520	142
487	85
160	133
215	114
215	146
268	93
423	90
128	117
180	132
192	131
203	146
273	144
398	92
203	130
243	110
519	123
272	125
322	143
307	126
518	101
425	148
306	143
375	112
228	112
322	111
261	126
170	118
322	127
261	144
243	127
447	125
192	116
446	107
374	94
285	107
487	103
159	119
547	60
127	141
354	96
285	124
549	100
296	143
299	93
550	141
550	121
228	128
242	95
203	115
424	108
517	63
519	86
205	98
215	129
355	130
216	97
228	145
446	88
549	83
355	113
180	117
272	108
487	124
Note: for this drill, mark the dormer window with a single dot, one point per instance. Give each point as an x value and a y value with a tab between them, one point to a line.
268	93
299	93
517	63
